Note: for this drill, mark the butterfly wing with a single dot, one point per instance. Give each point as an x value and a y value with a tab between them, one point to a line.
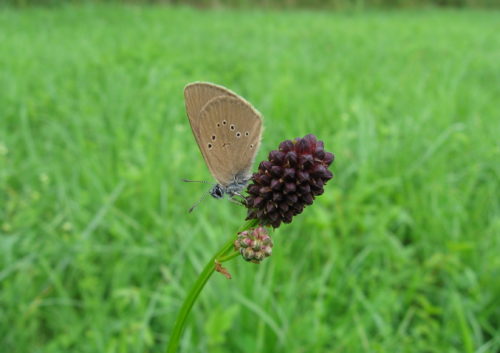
196	95
230	130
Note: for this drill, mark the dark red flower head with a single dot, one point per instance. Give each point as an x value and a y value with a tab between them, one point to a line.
289	181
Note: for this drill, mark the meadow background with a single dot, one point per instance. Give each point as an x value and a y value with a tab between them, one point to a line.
97	249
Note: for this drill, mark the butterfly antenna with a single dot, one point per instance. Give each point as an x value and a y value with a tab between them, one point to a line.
198	202
195	181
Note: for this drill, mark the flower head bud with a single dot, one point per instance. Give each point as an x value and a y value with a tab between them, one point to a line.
289	181
254	244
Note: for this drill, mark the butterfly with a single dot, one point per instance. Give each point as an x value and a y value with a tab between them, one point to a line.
228	131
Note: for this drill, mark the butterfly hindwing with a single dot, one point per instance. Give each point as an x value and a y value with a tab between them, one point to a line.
229	137
196	95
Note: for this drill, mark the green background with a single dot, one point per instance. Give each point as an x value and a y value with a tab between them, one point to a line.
288	4
97	250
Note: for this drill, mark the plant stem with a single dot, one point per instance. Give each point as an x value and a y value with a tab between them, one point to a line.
228	257
193	294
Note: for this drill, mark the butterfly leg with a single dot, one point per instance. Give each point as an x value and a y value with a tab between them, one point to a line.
237	201
238	198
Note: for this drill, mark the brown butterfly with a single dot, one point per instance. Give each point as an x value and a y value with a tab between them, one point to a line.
228	131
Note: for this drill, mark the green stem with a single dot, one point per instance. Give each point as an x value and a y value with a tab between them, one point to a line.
195	291
228	257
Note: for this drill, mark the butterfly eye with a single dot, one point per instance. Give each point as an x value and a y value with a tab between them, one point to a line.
232	127
210	146
238	134
246	133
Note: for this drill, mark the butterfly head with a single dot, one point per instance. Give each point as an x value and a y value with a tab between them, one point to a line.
217	191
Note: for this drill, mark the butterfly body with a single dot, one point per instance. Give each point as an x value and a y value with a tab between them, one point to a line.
228	130
231	189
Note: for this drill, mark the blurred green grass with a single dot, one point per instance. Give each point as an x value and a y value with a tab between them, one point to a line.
280	4
97	249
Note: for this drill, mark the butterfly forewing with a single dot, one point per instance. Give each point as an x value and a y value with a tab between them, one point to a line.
229	132
198	94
